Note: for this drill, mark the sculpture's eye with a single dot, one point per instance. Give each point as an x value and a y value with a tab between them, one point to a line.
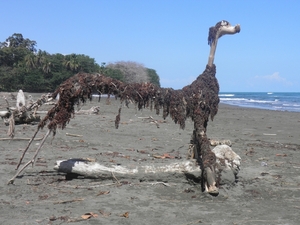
224	23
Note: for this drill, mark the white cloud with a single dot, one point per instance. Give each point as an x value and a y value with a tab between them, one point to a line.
274	78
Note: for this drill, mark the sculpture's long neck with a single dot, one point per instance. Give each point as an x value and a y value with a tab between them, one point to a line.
212	52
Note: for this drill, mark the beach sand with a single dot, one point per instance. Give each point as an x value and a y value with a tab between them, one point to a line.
267	191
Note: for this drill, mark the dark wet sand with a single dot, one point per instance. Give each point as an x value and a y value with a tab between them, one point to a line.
268	190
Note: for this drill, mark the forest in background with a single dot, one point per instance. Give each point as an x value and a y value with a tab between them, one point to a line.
24	67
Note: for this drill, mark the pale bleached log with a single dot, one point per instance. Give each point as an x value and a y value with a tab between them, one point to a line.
228	168
5	114
90	169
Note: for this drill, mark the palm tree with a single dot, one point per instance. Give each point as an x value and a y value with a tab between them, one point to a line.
41	56
47	66
71	63
30	60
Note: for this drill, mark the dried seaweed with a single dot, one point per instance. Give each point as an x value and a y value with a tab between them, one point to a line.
197	101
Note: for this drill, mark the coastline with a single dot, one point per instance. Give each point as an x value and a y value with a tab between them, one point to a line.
267	192
281	101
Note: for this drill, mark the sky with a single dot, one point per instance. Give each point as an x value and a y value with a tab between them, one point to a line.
170	36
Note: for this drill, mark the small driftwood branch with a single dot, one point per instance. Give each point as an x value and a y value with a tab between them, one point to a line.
69	201
32	161
151	120
20	139
27	147
74	135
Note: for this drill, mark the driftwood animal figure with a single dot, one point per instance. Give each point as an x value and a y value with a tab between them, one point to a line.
22	113
198	101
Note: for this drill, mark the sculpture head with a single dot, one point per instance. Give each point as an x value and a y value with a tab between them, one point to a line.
221	28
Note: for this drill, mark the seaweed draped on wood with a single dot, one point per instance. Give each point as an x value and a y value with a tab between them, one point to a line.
197	101
178	104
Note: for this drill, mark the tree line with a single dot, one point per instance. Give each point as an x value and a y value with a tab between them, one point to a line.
24	67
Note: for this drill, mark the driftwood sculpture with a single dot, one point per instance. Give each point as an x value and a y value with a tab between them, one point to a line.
197	101
22	113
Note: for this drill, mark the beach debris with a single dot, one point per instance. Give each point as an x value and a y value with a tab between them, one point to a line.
113	175
263	163
198	101
63	218
227	158
126	215
164	156
95	170
74	135
93	110
160	182
152	120
69	201
20	139
103	193
283	155
22	114
89	215
214	142
228	162
20	100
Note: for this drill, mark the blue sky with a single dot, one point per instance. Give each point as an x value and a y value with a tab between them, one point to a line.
170	36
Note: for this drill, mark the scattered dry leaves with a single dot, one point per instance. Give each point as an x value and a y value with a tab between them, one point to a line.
89	215
164	156
103	193
126	215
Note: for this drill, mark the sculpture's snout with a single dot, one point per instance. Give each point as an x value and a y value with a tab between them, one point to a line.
237	28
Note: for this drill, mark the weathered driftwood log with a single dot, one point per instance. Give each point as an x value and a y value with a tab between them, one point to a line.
228	166
90	169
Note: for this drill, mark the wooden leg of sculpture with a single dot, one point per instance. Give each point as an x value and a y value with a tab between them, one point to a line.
11	181
203	154
25	150
118	117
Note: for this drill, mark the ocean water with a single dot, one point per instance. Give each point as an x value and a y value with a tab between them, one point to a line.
282	101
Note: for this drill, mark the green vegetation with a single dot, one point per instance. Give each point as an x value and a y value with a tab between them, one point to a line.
24	67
